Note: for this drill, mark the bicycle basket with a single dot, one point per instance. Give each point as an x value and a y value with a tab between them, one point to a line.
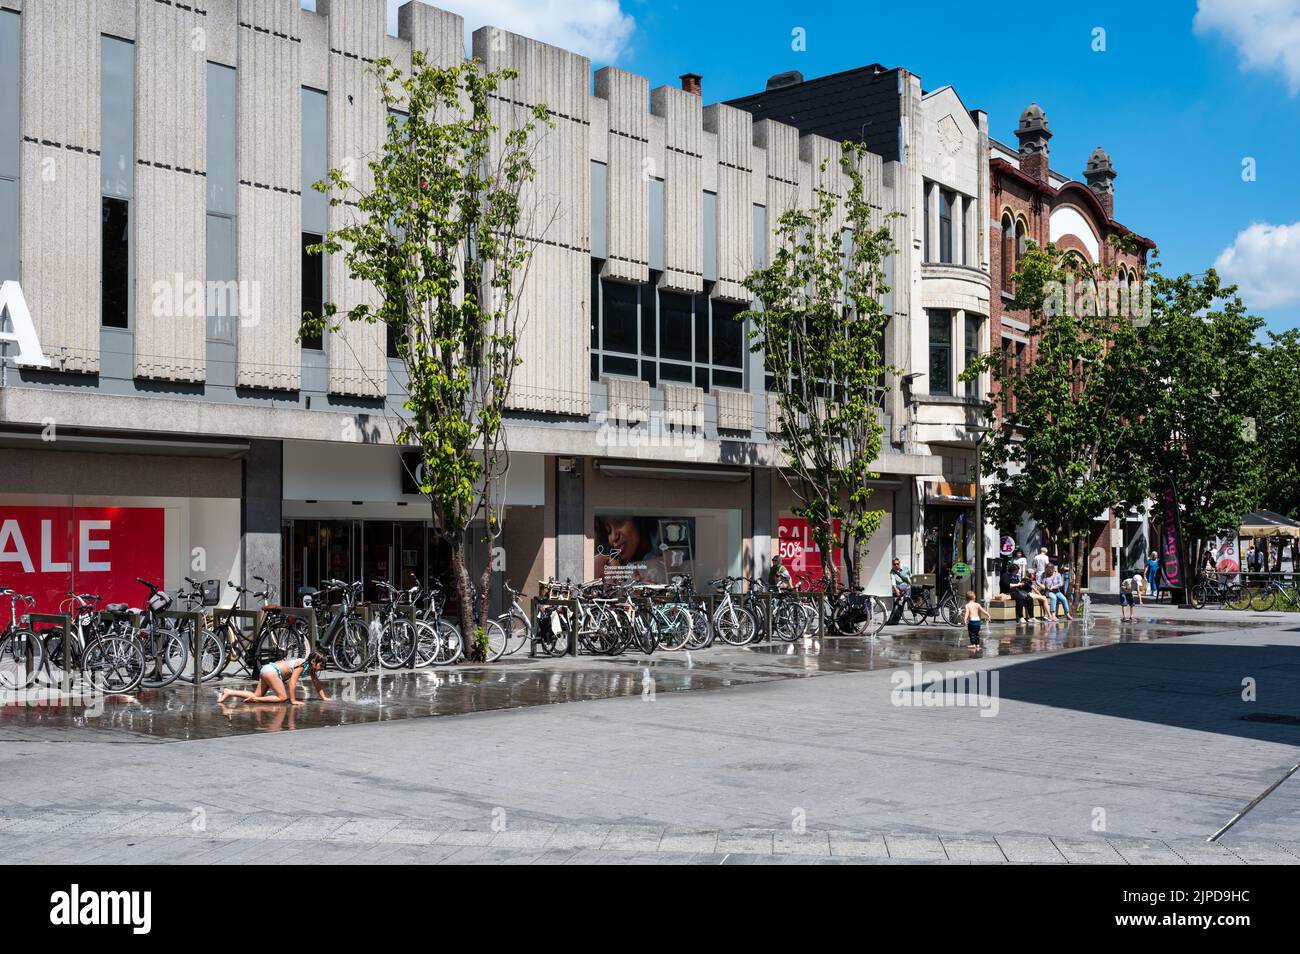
210	592
159	601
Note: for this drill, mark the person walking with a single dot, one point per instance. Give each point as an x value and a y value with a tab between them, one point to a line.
901	584
1041	561
974	615
1153	574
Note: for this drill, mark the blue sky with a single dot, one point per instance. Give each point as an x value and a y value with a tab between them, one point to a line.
1178	104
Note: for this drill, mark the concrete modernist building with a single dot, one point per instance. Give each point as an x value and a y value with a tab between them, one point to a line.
934	153
156	160
1032	202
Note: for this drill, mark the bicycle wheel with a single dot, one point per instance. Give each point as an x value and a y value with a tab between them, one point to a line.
675	630
22	657
165	657
113	663
951	612
1237	597
518	632
1198	596
643	629
279	642
701	629
788	621
451	645
555	637
734	624
212	658
498	639
879	613
396	643
1263	599
919	608
426	643
351	646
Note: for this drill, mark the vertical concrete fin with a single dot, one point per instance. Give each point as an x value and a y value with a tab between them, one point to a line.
169	220
269	208
59	204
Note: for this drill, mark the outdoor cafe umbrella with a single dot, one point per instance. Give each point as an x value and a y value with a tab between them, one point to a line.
1266	523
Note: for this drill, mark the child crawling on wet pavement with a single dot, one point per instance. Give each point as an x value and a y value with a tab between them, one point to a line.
278	681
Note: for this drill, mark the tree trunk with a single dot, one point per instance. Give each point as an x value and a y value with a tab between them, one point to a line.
460	576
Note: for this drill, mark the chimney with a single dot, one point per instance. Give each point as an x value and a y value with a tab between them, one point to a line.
691	83
1100	175
1033	133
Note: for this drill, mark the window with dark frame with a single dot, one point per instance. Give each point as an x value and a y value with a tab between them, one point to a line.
946	200
115	264
313	288
639	331
972	352
940	352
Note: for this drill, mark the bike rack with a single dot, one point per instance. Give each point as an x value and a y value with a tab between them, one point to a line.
66	622
197	618
574	615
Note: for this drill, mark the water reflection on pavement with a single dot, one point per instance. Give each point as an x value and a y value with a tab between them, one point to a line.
180	712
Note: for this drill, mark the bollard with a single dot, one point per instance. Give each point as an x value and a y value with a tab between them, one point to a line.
573	630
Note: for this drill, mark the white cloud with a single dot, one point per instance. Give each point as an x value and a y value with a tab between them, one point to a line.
1265	32
598	29
1264	260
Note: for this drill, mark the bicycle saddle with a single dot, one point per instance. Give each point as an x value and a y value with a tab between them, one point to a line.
117	608
307	591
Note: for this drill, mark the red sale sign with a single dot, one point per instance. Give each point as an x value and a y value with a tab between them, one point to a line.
796	548
52	551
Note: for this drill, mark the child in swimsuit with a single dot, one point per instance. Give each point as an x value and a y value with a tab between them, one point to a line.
278	681
974	614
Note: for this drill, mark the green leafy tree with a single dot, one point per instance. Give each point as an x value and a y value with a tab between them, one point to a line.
819	327
1066	425
1200	400
443	235
1277	423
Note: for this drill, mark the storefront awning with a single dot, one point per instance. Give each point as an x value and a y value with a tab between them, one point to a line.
944	492
1266	523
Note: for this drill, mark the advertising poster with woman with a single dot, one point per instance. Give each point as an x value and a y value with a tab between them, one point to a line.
644	549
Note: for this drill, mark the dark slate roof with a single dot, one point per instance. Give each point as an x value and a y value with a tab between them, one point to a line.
860	104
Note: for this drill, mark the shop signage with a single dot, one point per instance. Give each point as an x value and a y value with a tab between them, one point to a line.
49	552
796	548
960	570
412	470
23	336
1171	536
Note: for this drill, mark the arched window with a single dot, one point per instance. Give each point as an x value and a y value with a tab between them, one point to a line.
1022	240
1008	250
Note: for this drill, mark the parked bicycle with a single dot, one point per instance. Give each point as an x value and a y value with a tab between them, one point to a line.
22	652
108	660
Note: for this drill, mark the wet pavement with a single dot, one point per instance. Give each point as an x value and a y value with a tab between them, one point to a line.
179	712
